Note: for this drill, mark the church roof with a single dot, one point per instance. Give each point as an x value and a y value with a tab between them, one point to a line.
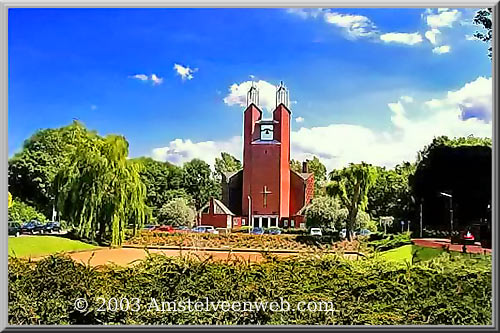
302	175
230	174
218	206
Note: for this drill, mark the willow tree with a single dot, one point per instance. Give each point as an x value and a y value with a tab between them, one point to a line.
351	186
100	191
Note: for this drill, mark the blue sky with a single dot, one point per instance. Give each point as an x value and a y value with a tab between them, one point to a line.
363	80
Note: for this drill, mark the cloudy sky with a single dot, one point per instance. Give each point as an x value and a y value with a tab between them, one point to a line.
372	85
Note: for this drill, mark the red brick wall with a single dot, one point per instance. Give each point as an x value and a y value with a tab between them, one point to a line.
251	115
218	221
282	134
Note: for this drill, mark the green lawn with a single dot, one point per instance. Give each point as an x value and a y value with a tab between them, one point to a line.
405	252
33	246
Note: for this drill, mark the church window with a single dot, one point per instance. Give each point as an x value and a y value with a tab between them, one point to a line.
292	223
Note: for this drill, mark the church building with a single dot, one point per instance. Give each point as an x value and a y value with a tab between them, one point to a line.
265	192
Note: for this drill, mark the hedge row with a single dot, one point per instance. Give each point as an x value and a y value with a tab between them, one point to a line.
445	290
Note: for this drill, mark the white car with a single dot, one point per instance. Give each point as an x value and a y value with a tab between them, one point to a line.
205	228
316	232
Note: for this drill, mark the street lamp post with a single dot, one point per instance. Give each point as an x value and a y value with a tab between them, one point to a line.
451	210
250	222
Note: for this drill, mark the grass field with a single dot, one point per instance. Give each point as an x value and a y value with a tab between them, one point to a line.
404	253
34	246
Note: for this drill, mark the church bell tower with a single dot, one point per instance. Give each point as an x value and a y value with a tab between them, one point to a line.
266	160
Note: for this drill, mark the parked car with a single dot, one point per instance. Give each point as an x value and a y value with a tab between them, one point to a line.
164	228
257	231
32	227
14	228
205	228
363	232
316	232
181	228
52	227
149	227
274	231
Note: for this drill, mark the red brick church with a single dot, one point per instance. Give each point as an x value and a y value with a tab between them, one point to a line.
266	192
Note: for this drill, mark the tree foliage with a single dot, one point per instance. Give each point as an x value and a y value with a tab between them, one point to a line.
323	212
483	19
199	183
315	167
22	212
100	190
391	195
32	170
10	201
295	165
177	212
226	163
162	180
351	185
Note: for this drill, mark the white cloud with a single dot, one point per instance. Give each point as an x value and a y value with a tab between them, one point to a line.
443	18
179	151
461	112
142	77
401	37
238	94
432	36
406	99
470	37
354	26
93	107
155	79
474	100
299	120
185	72
306	12
441	49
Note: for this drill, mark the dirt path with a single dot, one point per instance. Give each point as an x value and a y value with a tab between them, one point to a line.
126	256
445	243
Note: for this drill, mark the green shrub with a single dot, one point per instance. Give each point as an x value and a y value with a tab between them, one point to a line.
443	291
22	212
391	241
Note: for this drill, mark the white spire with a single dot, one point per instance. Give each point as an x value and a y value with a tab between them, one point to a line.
282	96
253	95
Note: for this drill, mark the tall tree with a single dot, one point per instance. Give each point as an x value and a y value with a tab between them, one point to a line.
226	163
100	190
391	195
159	178
483	19
199	183
10	201
319	170
32	170
351	186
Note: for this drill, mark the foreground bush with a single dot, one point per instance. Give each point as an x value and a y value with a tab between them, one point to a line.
390	241
446	290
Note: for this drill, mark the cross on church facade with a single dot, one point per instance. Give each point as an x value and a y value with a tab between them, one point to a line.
264	193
